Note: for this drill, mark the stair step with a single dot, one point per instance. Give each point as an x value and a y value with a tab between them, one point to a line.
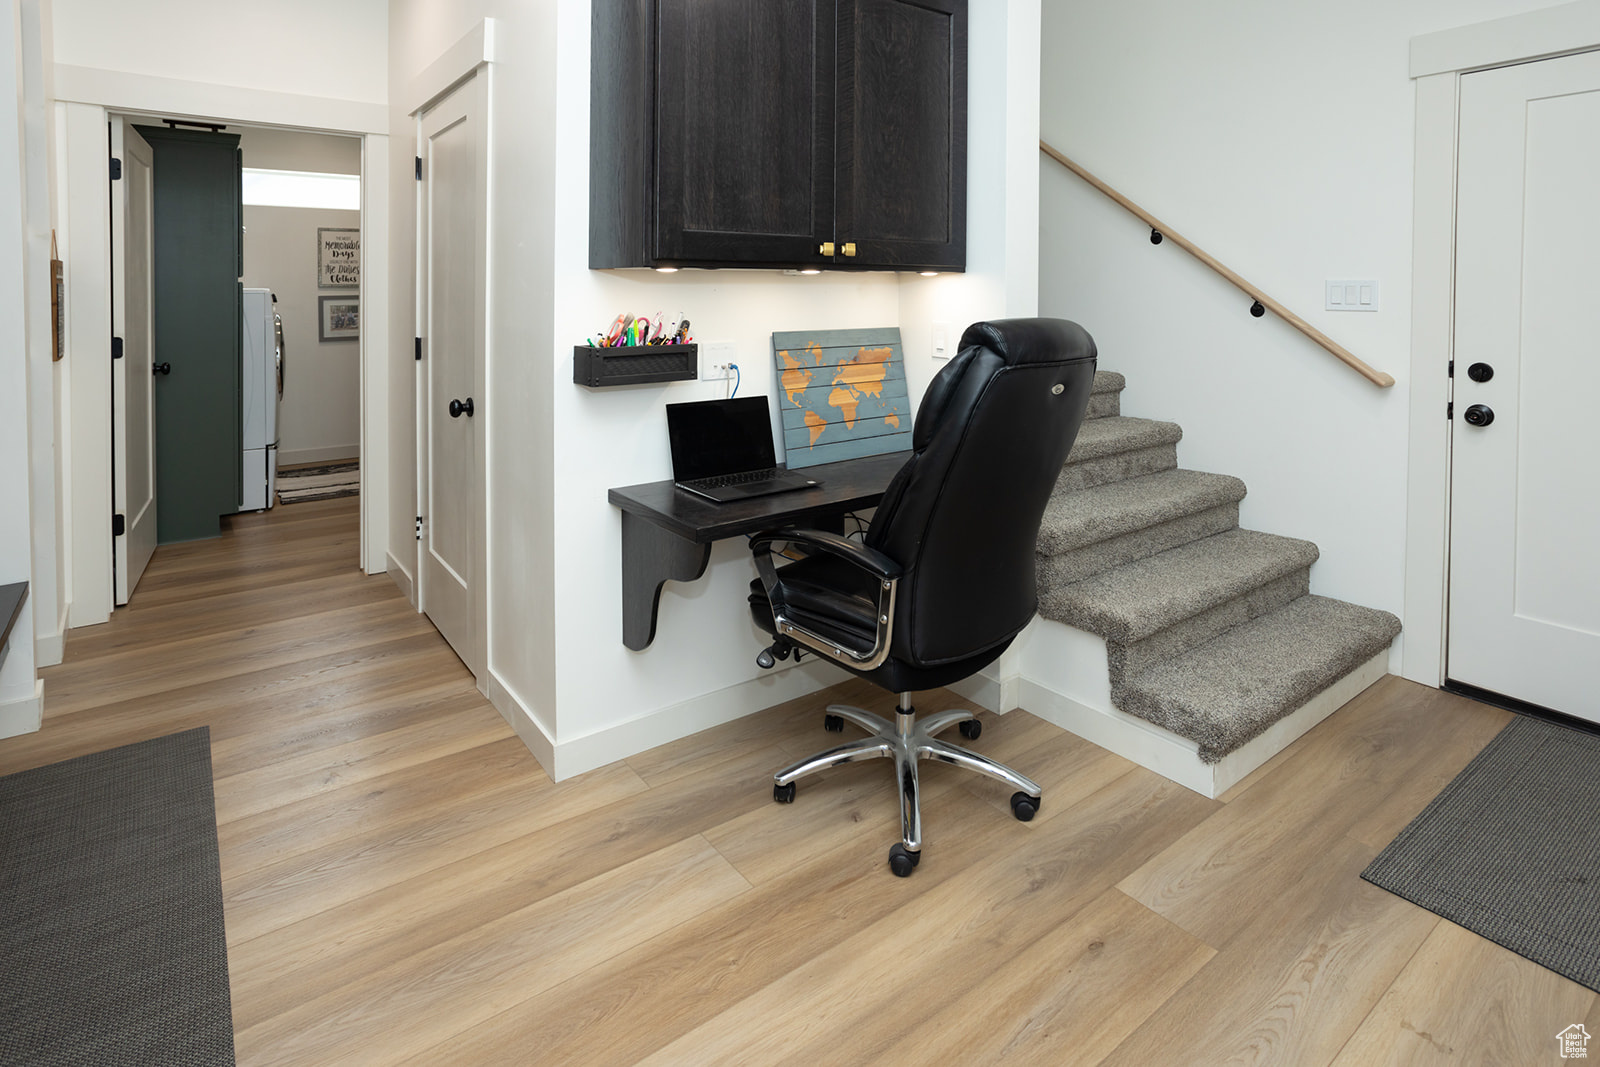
1230	689
1075	519
1133	601
1114	448
1105	397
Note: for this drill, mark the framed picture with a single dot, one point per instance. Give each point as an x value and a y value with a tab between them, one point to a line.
339	318
338	257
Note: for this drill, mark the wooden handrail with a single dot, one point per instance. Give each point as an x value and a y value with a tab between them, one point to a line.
1376	377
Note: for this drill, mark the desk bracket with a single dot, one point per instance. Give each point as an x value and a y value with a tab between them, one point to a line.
650	556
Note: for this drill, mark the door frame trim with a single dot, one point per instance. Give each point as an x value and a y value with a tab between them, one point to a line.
85	100
471	57
1438	60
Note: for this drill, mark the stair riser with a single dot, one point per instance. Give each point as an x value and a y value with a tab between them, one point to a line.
1090	560
1116	468
1127	661
1104	405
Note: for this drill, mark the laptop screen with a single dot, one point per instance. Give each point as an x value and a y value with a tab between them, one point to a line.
712	437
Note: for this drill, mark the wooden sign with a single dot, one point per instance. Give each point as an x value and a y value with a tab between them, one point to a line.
841	394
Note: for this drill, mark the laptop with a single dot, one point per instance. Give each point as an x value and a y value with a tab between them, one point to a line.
722	450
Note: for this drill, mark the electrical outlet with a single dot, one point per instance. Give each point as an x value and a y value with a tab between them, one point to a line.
715	358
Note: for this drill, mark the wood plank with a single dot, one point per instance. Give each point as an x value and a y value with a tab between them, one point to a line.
1465	999
1298	976
451	986
1213	881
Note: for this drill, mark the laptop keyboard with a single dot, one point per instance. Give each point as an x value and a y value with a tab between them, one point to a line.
722	481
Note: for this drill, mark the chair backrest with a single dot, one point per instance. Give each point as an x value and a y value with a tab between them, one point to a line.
962	516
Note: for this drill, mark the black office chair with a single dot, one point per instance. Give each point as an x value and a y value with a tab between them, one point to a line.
945	578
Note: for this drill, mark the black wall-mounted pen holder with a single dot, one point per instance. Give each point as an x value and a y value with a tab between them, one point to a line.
632	366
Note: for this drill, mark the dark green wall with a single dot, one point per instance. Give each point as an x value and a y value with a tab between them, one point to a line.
196	322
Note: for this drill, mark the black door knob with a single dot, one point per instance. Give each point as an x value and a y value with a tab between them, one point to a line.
160	368
459	408
1479	415
1480	372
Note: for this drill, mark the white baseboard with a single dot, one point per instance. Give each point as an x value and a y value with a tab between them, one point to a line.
998	695
402	578
565	758
297	456
51	648
23	716
522	720
1177	758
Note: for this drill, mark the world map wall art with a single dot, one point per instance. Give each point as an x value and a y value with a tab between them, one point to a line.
841	394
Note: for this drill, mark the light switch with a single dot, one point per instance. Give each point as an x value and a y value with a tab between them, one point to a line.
1351	295
941	340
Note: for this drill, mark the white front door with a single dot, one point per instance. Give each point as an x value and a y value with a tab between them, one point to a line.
452	407
1524	616
133	422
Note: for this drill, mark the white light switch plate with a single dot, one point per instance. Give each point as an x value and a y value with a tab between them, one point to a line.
1346	294
941	340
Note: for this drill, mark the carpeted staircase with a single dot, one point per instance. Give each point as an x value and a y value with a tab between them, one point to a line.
1211	631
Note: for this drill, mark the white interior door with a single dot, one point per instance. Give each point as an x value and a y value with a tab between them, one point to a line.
453	245
133	423
1524	615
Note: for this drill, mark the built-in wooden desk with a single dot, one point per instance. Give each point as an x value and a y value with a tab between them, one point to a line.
667	532
11	598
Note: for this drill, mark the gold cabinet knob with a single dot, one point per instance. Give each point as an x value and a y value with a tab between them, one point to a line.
826	248
850	248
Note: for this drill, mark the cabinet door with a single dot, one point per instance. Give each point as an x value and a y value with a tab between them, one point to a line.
902	133
744	148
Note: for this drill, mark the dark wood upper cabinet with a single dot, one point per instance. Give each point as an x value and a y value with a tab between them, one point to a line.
784	133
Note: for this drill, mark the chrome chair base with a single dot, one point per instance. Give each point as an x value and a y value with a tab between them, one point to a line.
906	741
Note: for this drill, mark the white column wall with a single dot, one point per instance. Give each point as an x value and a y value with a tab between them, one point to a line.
19	707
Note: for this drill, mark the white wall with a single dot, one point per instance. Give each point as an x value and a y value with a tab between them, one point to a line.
1279	137
557	664
320	416
305	47
18	686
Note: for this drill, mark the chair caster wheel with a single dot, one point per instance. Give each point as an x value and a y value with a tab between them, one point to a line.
834	724
1024	807
902	861
970	729
784	794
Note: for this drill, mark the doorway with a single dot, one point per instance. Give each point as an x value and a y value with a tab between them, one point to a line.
1524	592
87	447
1440	65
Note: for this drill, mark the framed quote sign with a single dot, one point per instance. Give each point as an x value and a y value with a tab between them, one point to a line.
338	258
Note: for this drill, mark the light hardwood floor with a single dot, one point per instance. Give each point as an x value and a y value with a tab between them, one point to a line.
404	885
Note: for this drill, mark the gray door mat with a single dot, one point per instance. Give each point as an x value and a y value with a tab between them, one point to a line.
1511	848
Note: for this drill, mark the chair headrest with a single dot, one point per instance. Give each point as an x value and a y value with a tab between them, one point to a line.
1020	341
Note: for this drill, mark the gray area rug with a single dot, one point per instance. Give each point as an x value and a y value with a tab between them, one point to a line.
322	482
1511	848
112	949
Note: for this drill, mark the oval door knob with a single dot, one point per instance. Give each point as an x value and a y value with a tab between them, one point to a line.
160	368
459	408
1479	415
1480	372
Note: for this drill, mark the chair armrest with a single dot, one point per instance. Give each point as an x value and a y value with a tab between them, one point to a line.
870	560
875	563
